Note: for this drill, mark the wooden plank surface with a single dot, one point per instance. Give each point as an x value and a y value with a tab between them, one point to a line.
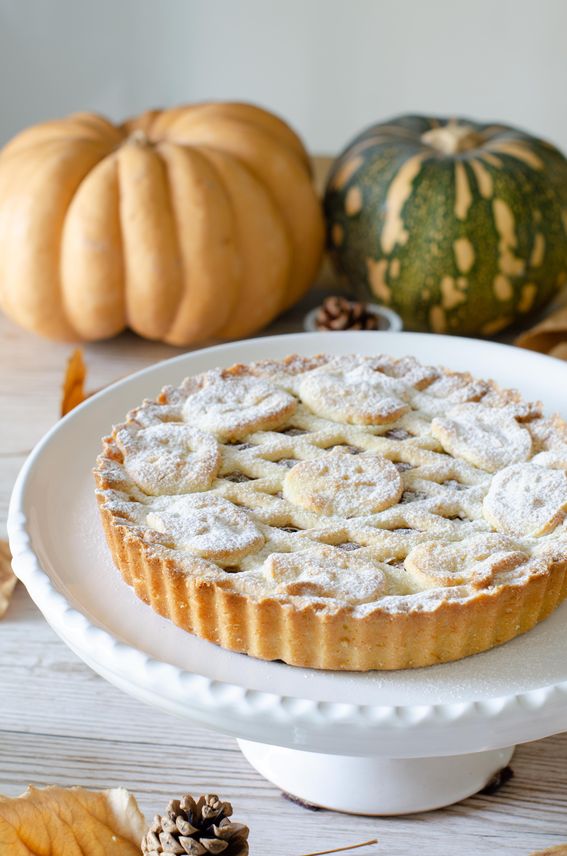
61	723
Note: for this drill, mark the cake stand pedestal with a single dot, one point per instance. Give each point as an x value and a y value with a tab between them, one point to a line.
375	785
375	743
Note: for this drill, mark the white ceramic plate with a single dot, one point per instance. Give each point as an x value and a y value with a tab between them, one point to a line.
513	693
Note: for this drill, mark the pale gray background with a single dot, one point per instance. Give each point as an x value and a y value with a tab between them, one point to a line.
329	66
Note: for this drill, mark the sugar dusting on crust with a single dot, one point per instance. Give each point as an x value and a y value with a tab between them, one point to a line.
208	526
169	457
526	499
488	438
476	560
344	485
357	395
388	490
554	459
232	407
326	573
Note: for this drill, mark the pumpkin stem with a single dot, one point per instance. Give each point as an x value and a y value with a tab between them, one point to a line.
452	138
138	138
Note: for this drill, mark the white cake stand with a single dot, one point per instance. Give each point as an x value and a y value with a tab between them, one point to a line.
376	743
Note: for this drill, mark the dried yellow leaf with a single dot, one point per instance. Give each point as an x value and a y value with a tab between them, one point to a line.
57	821
7	577
559	850
74	382
547	335
559	351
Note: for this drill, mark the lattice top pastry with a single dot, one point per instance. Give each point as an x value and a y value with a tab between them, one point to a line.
341	512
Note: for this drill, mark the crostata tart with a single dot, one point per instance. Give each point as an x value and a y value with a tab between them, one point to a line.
340	512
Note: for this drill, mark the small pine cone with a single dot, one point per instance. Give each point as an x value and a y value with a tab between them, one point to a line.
338	313
196	829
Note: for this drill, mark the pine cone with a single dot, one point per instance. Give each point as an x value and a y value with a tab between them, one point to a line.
197	829
338	313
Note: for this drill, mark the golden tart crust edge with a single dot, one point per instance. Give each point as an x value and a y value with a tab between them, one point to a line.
271	628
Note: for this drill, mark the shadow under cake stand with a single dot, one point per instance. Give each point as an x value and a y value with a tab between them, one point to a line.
371	743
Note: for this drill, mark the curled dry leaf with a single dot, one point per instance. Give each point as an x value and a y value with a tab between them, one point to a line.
559	850
549	337
559	351
7	577
71	822
73	382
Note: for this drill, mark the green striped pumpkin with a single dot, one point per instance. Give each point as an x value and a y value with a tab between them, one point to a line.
460	227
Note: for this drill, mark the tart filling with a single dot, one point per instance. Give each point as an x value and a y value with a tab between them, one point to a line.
341	512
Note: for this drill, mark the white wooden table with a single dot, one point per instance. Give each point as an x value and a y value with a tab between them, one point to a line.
60	723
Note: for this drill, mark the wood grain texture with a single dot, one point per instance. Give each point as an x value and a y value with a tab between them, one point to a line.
61	723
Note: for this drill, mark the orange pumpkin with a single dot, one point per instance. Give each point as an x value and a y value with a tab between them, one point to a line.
186	224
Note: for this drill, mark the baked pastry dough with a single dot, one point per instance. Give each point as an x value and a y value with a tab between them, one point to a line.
343	485
340	512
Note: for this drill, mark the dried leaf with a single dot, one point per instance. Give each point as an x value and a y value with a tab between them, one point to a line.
559	850
7	577
71	821
74	382
548	335
559	351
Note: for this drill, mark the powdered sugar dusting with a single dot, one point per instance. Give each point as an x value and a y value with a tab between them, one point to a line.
232	407
326	573
358	396
208	526
526	499
488	438
475	560
344	485
555	458
169	457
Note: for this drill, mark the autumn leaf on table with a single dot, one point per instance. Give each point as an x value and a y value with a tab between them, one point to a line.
7	577
57	821
549	336
74	382
558	850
